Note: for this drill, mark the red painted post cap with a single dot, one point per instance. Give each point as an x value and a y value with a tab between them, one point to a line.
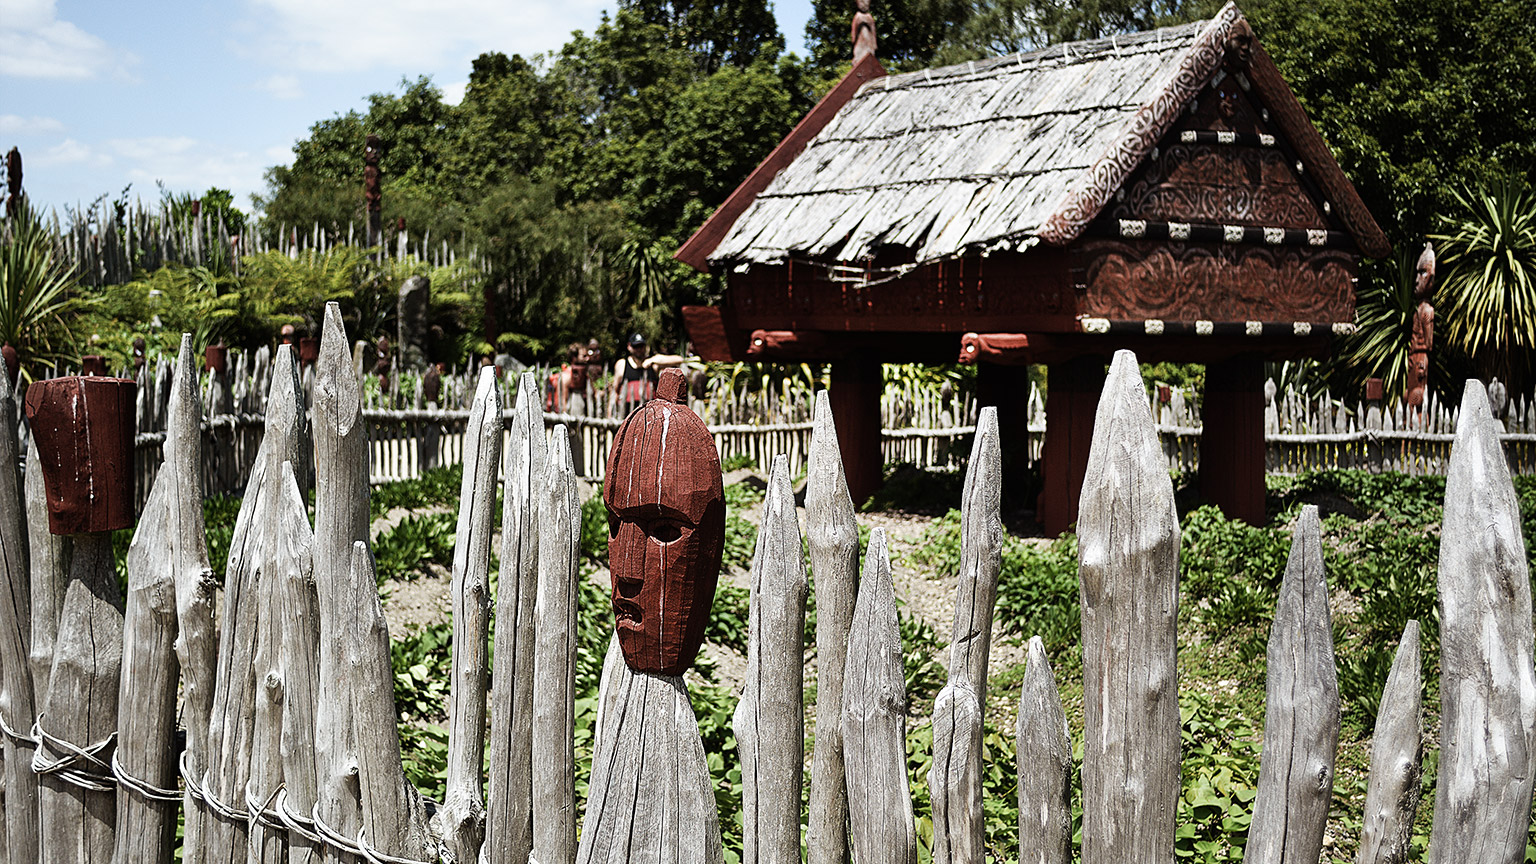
93	364
216	358
83	427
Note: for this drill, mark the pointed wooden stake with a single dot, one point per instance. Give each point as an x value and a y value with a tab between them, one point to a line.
393	815
231	721
341	519
1044	761
509	813
16	704
875	720
554	669
954	781
833	536
49	553
770	718
463	813
1301	715
1128	541
1487	673
197	645
169	546
1397	752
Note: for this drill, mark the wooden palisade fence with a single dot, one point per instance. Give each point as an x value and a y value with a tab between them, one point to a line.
292	752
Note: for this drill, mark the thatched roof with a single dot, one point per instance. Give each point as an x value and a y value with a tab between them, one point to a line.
995	154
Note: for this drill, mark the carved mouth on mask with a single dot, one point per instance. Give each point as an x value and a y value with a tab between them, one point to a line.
627	614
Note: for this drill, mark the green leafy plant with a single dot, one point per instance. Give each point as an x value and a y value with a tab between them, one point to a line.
404	551
1487	286
35	286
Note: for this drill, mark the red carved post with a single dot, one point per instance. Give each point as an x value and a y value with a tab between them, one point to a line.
12	361
666	511
93	364
83	428
1422	341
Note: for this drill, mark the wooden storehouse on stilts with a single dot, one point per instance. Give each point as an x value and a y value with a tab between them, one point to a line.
1159	191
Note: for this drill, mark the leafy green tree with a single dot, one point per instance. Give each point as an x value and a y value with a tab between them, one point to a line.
1415	97
502	127
1010	26
715	33
1487	287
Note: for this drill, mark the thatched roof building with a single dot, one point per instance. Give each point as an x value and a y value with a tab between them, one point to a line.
1162	191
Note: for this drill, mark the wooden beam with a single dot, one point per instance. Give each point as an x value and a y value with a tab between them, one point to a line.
1071	401
1232	444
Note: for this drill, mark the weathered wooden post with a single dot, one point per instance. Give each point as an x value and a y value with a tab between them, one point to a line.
833	536
300	659
554	667
770	718
1301	715
16	694
1488	677
651	795
1044	762
49	554
1128	541
875	721
954	781
231	724
393	817
169	548
463	813
1397	750
509	812
287	548
84	432
341	519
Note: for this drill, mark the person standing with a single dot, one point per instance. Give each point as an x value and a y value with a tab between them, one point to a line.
634	375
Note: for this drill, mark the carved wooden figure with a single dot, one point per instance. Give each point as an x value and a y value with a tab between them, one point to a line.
84	430
666	530
1422	341
863	32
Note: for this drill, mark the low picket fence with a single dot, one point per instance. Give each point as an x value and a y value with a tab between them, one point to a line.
289	751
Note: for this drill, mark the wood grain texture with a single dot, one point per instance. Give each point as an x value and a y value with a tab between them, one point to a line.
231	725
509	812
770	718
832	535
1397	752
169	545
393	815
463	813
197	645
1044	763
1301	714
341	519
77	825
16	692
1128	540
49	558
651	795
875	720
300	658
954	781
1487	673
554	668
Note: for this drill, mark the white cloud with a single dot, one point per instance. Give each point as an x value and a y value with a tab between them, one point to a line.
357	35
453	93
15	124
282	87
189	164
39	45
71	152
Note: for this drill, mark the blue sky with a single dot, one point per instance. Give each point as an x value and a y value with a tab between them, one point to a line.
100	95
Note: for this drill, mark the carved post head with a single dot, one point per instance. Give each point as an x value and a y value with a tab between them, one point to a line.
1239	45
83	427
666	530
1424	273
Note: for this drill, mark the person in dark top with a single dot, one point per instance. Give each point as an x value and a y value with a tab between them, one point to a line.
634	375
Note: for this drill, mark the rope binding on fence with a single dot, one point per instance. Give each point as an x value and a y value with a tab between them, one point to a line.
145	788
81	766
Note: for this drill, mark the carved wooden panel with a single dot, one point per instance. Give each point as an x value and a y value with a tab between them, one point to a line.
1130	280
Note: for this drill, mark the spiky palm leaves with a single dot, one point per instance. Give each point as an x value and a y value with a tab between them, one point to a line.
35	284
1487	293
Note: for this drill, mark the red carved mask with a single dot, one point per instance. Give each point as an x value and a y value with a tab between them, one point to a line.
666	529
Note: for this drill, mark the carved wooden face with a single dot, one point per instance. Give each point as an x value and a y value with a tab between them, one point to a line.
666	529
1239	45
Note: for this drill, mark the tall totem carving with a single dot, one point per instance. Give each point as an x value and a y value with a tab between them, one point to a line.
373	192
1422	339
